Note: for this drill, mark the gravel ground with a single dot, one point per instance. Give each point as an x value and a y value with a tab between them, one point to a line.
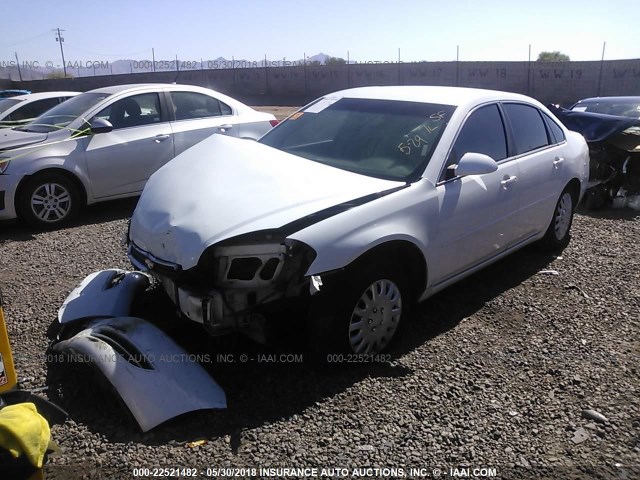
498	371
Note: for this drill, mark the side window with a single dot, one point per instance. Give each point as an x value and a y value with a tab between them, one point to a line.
33	109
225	109
192	105
556	131
133	111
528	127
483	132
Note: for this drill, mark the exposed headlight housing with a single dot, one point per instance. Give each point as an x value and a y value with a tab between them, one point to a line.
255	265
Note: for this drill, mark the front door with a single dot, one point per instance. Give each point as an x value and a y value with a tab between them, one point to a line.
478	213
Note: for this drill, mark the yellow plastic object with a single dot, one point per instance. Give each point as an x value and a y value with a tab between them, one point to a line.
23	431
8	379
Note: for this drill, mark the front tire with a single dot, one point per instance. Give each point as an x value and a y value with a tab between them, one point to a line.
360	312
48	200
558	234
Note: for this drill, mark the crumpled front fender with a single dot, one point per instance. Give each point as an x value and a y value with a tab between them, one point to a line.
154	376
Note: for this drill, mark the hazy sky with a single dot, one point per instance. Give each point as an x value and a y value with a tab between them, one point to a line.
369	30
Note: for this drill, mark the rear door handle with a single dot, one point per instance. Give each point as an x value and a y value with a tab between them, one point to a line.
224	128
161	138
507	181
558	161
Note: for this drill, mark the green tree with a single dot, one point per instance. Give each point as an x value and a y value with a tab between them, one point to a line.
53	74
335	61
553	57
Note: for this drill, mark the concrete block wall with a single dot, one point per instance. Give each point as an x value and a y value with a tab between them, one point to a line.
552	82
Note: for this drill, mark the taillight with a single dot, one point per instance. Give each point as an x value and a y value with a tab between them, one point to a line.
274	122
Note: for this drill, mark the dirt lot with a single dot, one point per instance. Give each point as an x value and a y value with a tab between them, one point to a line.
497	371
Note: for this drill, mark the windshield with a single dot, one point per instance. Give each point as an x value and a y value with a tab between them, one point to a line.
386	139
7	103
624	107
63	114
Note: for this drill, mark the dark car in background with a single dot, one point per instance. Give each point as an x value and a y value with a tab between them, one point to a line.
621	106
611	127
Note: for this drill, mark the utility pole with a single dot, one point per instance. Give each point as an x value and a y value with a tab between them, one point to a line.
61	40
18	65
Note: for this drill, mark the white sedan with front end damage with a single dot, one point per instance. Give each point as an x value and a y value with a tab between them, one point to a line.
356	206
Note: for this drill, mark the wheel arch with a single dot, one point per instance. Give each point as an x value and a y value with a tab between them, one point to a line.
407	254
58	171
574	187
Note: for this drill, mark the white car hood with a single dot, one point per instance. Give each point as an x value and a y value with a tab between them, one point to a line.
224	187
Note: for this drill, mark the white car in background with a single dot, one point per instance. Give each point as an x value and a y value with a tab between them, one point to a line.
22	109
104	144
355	206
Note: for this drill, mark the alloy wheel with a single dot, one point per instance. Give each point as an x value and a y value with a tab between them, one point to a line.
50	202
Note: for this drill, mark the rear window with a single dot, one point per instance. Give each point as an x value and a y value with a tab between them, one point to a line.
379	138
556	132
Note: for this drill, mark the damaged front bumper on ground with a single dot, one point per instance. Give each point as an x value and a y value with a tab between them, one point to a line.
154	376
614	151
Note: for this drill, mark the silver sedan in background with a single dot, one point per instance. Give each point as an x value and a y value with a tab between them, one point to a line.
22	109
104	144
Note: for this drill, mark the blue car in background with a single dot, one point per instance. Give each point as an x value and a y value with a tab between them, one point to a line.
13	93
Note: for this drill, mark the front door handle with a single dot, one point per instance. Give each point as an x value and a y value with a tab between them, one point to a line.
508	181
161	138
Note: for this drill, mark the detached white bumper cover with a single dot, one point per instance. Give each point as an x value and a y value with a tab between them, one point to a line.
107	293
154	376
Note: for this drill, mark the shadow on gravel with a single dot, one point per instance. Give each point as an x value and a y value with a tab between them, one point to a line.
610	213
272	384
18	231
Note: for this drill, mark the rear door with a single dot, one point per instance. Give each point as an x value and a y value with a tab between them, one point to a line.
541	163
477	213
121	161
198	116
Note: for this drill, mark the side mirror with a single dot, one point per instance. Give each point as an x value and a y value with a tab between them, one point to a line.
100	125
473	163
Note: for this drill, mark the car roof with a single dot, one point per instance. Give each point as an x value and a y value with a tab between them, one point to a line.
135	86
44	95
116	89
458	96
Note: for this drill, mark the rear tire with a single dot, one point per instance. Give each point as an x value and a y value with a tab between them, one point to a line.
558	234
48	200
359	313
